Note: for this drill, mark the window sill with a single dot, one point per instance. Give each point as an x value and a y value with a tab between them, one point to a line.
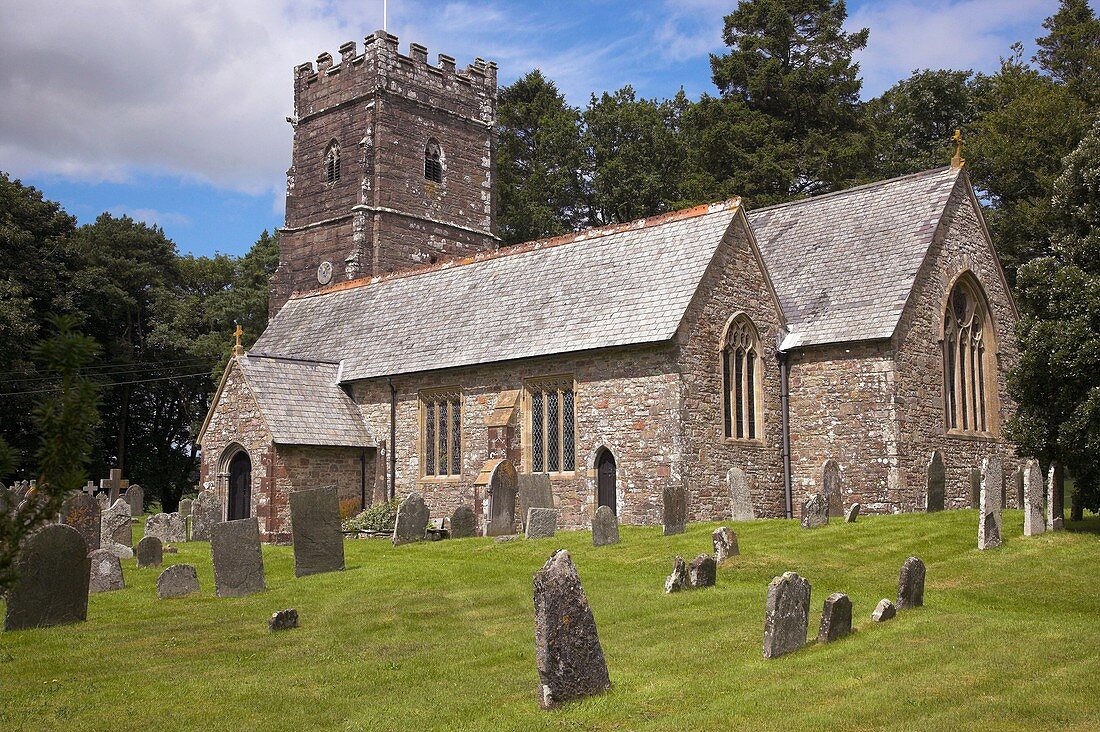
973	436
440	479
567	475
743	442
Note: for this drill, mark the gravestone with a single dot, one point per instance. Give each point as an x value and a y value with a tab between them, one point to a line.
51	588
740	496
851	514
120	551
206	511
725	544
185	507
885	610
605	527
975	487
116	526
412	520
1034	522
463	523
703	571
283	620
177	581
815	512
168	527
135	496
533	491
315	525
836	618
678	580
1055	497
103	501
786	615
82	512
911	584
831	489
106	573
675	509
568	654
238	560
8	500
502	499
1019	481
541	523
989	516
149	552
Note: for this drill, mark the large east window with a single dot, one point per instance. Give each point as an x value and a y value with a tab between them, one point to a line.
441	433
741	378
553	447
966	360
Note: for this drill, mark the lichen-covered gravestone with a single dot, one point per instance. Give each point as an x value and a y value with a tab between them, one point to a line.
149	552
911	584
168	527
238	560
675	510
135	497
541	523
937	480
315	521
185	507
106	572
568	654
725	544
177	581
815	512
1034	523
678	580
605	527
103	501
206	511
786	615
533	491
851	514
703	571
1055	497
740	496
463	523
836	618
82	512
116	526
1018	479
412	520
52	580
989	516
885	610
830	488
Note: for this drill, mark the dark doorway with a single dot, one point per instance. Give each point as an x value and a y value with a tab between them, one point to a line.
605	479
240	486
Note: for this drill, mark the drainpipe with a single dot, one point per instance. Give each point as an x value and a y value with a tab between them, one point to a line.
784	411
362	480
393	439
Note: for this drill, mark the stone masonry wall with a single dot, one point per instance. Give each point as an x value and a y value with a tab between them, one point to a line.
301	467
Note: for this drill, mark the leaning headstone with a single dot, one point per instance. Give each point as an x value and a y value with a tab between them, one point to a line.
786	615
911	584
315	523
283	620
836	618
206	511
541	523
412	520
568	654
238	560
82	512
463	523
815	512
703	571
851	514
740	496
51	587
149	552
1034	523
830	488
605	527
885	610
106	572
135	496
975	487
725	544
989	517
168	527
675	510
678	580
177	581
937	481
116	526
533	491
1055	497
185	507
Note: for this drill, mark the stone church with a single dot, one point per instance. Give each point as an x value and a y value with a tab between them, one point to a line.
858	339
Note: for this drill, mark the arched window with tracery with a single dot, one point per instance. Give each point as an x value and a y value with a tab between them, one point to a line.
741	379
332	162
433	162
967	360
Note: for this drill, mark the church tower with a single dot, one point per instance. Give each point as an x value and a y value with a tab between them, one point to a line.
392	166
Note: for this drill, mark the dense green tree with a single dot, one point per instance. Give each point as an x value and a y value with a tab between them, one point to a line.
1070	52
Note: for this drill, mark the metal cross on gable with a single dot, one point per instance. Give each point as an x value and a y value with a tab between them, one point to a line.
114	485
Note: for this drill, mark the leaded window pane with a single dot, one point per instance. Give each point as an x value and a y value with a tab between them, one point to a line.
568	434
739	394
429	440
553	456
456	438
750	393
443	422
538	425
727	397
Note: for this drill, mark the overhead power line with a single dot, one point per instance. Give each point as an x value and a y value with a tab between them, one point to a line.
115	383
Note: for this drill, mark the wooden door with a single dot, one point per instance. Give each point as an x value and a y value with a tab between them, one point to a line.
605	480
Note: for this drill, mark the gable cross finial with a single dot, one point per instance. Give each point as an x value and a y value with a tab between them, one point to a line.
957	160
238	349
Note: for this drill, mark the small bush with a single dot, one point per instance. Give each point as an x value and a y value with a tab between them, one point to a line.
379	517
348	508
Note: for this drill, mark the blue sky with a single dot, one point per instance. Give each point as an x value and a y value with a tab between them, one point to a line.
172	111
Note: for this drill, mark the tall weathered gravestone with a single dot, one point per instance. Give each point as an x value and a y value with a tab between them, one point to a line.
185	507
106	574
675	509
168	527
82	512
315	521
937	481
463	523
815	512
975	487
502	499
836	618
541	523
116	526
177	581
149	552
412	520
911	584
989	517
52	587
725	544
831	489
1034	522
533	491
1055	497
740	496
238	559
605	527
1019	480
568	654
786	615
206	511
135	497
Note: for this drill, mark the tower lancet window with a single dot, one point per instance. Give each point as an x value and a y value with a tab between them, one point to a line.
433	162
332	162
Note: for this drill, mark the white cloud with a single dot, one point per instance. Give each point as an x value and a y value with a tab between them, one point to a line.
152	216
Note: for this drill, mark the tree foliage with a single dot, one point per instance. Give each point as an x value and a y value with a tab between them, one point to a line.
1070	52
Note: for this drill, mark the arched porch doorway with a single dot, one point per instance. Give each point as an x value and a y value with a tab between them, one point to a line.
240	486
605	480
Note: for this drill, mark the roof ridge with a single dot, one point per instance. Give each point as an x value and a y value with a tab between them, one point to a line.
599	232
853	189
275	357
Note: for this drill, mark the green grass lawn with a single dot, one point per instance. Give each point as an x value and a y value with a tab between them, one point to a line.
441	636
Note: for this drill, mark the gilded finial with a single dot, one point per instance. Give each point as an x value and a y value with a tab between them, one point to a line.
238	349
957	160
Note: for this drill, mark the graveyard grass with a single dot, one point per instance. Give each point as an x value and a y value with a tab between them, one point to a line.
440	635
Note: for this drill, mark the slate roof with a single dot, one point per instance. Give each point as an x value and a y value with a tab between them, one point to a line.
843	264
615	286
302	402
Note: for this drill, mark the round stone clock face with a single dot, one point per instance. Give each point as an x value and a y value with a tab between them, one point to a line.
324	273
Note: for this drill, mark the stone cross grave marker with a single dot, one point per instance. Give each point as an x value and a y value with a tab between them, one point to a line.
989	515
911	584
1034	522
52	586
89	488
786	615
815	512
740	496
82	512
836	618
937	480
315	521
106	573
113	486
238	559
463	522
675	509
831	488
